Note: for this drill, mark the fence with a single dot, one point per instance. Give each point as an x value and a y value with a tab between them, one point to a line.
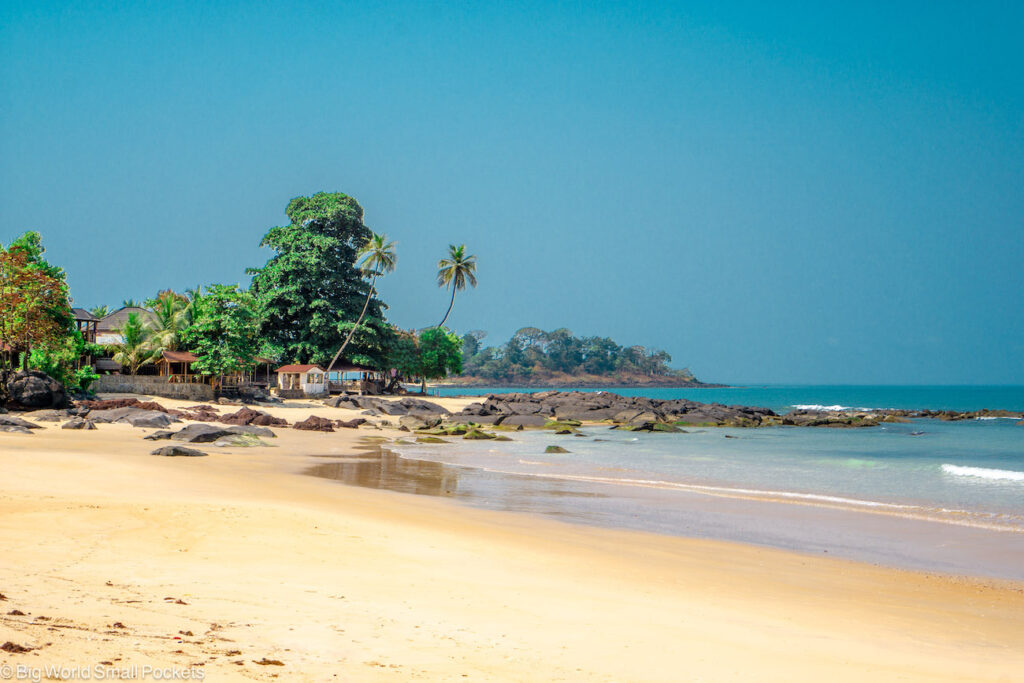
151	386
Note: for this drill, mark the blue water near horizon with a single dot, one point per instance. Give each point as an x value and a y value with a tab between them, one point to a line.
782	398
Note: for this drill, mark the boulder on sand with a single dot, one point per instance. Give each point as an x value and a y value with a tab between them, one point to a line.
252	430
173	451
47	415
248	416
200	433
78	423
35	389
11	421
315	424
15	429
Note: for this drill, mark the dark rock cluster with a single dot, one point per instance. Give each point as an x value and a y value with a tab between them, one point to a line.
538	409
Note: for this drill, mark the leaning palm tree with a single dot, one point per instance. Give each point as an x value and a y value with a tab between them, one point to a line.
376	257
135	348
456	271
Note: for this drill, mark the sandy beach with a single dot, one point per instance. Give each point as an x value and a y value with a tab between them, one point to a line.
240	566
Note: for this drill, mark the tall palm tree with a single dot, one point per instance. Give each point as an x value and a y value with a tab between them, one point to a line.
378	257
135	349
456	271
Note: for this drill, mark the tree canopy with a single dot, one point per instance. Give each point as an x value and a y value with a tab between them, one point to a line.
223	331
34	305
533	354
311	292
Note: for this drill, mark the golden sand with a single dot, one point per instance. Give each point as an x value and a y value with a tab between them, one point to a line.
234	562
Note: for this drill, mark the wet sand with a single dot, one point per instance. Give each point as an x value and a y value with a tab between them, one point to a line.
238	560
890	539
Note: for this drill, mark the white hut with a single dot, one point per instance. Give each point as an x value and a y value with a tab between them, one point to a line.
295	381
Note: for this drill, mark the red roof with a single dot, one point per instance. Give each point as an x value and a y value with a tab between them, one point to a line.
299	368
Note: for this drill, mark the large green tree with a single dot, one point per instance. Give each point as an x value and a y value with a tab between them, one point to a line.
223	331
311	290
34	305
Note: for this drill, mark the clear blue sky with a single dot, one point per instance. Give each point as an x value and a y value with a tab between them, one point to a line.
796	193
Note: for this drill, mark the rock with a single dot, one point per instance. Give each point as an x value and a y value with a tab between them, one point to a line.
154	421
429	439
315	424
200	433
248	416
11	421
520	420
35	389
158	436
476	434
47	415
239	441
420	406
351	424
78	423
129	414
15	429
174	451
269	421
252	430
419	421
555	449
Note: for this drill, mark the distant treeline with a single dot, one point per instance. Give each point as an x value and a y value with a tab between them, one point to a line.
533	355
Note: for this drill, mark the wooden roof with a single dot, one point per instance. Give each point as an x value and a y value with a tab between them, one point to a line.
179	357
83	315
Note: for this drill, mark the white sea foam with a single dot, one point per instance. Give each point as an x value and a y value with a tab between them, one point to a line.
818	406
983	473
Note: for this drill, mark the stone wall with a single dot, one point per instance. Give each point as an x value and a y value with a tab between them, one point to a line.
152	386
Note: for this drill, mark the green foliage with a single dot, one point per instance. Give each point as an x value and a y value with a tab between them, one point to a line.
35	309
377	257
456	271
136	347
533	354
100	311
173	313
440	353
59	359
310	291
223	333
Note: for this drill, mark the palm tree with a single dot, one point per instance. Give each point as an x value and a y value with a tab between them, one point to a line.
377	256
173	316
130	303
100	311
456	271
135	349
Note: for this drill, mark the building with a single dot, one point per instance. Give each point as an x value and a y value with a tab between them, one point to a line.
107	329
344	377
176	367
300	381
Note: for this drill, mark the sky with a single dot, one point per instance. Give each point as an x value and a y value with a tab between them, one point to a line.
771	192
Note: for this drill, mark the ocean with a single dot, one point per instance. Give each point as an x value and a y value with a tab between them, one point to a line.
941	496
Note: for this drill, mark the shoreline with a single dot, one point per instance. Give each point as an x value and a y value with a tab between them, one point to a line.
856	530
273	564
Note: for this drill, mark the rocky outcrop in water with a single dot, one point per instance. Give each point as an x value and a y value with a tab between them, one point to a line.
537	410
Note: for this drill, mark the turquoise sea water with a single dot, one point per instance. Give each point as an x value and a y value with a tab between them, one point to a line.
784	397
958	485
